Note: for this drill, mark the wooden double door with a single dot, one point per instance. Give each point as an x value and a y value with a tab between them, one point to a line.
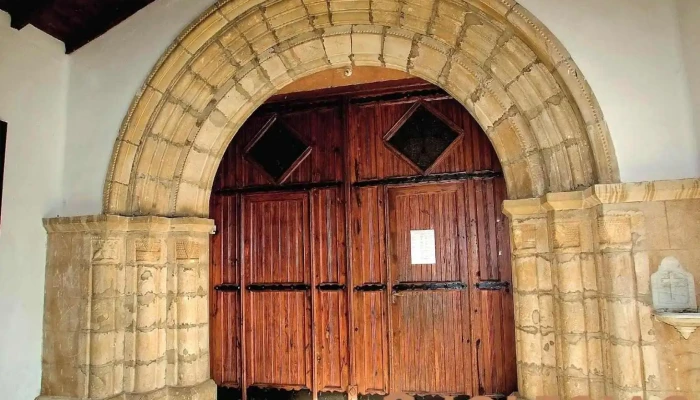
368	262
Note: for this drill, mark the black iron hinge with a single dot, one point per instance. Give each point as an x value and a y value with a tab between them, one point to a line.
328	287
370	287
492	285
278	287
227	287
402	287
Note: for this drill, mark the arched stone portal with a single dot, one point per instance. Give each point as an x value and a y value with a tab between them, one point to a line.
493	56
128	318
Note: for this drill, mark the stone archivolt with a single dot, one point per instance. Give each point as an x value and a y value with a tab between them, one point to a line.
493	56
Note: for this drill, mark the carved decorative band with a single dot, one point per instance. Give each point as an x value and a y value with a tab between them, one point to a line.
524	236
567	235
187	250
614	229
148	250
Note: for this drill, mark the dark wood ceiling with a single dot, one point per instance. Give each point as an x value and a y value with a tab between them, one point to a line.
74	22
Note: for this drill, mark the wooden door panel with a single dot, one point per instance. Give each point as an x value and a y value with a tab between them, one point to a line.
436	207
321	127
278	318
430	324
371	158
276	238
431	343
368	229
493	331
371	349
328	229
496	343
228	349
332	341
224	308
330	309
278	339
475	152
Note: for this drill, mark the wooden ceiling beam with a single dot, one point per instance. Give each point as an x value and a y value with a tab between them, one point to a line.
22	12
108	18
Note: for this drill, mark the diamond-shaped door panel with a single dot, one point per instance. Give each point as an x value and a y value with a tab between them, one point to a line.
277	150
421	136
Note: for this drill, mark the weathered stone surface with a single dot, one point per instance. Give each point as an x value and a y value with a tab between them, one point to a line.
107	329
593	267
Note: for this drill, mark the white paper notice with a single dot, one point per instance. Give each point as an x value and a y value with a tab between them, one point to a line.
423	247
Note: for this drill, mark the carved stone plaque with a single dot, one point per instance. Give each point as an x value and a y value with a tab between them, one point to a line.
105	251
673	288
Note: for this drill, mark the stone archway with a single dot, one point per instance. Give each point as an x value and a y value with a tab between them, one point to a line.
493	56
135	281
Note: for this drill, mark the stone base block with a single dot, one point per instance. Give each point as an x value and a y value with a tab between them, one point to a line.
203	391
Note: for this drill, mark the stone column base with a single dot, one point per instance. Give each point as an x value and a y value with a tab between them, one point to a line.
203	391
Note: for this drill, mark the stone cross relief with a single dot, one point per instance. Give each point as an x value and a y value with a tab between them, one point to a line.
673	288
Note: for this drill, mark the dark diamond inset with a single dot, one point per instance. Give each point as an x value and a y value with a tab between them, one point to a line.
422	138
277	149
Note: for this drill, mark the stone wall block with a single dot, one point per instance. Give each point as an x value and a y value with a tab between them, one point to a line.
525	273
188	354
623	322
101	381
652	373
366	47
428	62
397	49
618	275
492	104
626	368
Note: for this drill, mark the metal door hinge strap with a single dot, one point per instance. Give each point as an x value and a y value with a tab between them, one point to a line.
278	287
402	287
330	286
227	287
370	287
492	285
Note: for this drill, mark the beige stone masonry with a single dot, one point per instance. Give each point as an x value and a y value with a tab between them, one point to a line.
493	56
126	309
582	263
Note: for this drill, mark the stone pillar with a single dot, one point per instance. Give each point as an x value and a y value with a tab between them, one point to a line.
618	233
576	300
533	297
126	313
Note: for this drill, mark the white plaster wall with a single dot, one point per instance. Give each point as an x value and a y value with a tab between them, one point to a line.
105	76
630	52
689	18
33	95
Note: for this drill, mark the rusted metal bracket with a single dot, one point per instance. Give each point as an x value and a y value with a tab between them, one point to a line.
492	285
403	287
433	178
